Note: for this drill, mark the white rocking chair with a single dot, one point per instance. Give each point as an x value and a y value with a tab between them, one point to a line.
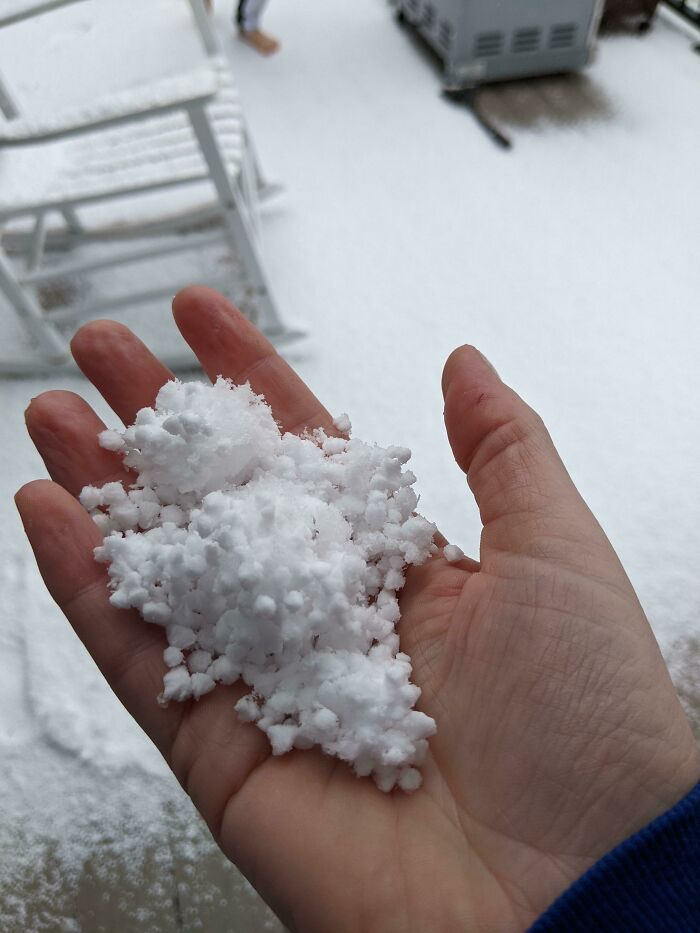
172	132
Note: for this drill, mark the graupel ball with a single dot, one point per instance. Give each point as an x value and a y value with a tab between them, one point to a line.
275	560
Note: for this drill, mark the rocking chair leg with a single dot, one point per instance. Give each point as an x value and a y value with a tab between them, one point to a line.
239	227
7	104
71	218
249	192
52	343
36	250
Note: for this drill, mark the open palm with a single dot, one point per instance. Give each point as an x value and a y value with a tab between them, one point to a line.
559	732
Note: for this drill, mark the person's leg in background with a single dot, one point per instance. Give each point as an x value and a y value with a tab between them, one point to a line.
248	22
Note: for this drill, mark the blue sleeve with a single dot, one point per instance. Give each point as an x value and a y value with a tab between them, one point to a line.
648	884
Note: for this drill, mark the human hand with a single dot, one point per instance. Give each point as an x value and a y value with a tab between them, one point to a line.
559	732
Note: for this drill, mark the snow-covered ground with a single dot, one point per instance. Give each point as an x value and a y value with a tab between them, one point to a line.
571	262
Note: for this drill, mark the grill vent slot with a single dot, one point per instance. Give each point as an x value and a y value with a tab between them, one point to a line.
489	44
526	40
562	36
446	34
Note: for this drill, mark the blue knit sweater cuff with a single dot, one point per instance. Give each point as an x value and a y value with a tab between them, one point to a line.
649	884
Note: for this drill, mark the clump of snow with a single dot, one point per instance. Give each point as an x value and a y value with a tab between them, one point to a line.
452	553
274	559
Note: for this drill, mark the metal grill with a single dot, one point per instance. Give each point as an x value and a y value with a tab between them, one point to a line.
562	36
481	41
488	43
526	40
446	34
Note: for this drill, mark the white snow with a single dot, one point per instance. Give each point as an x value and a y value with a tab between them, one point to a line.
282	570
166	92
452	553
571	262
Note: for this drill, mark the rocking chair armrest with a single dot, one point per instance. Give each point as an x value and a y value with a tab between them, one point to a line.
16	12
166	94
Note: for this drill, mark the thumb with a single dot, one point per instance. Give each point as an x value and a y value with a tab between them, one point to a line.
524	493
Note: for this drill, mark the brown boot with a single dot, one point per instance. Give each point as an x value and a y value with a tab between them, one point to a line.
260	41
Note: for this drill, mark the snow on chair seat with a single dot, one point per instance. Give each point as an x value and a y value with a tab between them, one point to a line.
156	151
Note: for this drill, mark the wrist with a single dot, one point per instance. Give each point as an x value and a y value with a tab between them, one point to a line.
648	882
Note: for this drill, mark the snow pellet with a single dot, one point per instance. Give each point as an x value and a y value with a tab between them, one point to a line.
452	553
275	560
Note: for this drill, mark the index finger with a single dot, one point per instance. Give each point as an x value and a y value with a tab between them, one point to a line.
227	344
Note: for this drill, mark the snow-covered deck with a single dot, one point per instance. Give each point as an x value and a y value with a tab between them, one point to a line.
570	261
